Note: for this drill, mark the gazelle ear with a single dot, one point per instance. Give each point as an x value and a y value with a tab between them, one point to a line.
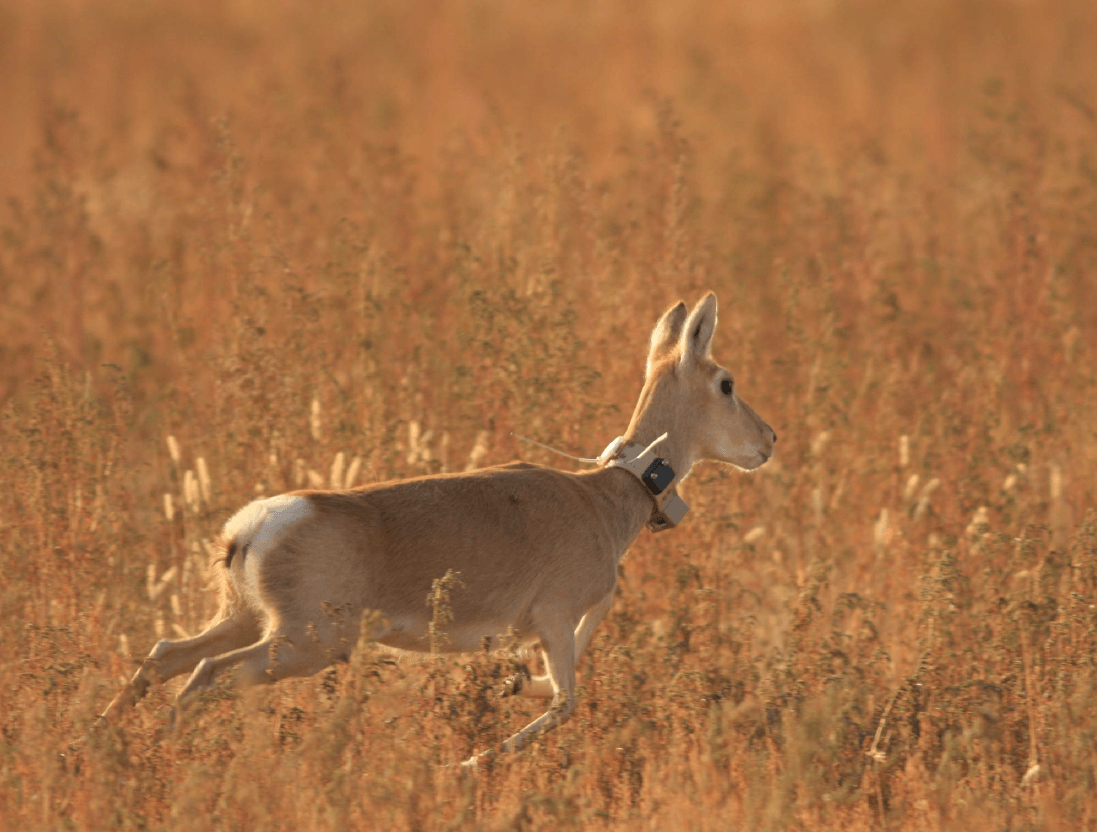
666	333
697	332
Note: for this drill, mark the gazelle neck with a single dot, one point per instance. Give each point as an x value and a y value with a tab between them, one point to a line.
651	420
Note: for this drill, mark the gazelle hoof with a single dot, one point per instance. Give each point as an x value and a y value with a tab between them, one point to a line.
513	685
173	723
471	766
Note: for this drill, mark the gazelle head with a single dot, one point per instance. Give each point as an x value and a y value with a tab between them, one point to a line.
694	399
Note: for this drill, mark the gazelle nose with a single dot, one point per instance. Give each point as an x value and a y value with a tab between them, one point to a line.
775	437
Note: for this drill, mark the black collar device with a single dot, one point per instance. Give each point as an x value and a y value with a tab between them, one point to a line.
656	475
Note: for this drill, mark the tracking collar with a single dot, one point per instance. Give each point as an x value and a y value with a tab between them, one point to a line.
654	473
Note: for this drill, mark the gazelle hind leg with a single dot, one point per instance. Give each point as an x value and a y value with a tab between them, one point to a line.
275	657
540	687
170	658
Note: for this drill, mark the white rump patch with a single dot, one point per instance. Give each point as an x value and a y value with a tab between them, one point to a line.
260	526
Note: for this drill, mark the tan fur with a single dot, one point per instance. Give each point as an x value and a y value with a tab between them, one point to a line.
535	549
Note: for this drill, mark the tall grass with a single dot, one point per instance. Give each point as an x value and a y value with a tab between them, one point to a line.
251	247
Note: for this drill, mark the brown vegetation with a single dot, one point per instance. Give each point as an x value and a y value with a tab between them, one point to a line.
311	240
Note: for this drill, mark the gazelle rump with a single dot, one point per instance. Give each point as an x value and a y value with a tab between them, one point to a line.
536	549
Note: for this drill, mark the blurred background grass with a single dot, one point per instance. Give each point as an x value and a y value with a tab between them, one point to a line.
281	232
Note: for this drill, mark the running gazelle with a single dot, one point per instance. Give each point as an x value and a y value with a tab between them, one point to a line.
536	549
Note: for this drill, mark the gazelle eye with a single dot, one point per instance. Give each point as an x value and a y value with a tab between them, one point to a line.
727	386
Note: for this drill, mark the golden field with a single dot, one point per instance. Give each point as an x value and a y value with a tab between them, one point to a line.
306	241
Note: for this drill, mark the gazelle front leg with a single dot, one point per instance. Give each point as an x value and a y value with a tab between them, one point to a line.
540	687
558	645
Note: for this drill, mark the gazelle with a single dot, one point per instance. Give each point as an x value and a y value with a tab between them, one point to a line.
536	549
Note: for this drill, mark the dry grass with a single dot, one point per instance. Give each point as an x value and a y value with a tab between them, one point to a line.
397	231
